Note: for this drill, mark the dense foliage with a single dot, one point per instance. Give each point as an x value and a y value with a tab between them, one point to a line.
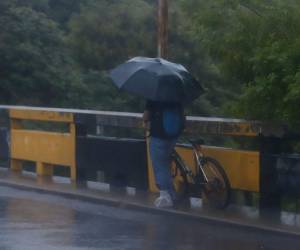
256	47
35	66
246	53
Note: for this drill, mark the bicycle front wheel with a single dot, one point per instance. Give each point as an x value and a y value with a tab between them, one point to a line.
217	189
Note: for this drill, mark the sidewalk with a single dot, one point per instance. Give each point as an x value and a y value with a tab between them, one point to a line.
129	198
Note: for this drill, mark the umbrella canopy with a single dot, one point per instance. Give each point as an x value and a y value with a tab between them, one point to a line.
157	79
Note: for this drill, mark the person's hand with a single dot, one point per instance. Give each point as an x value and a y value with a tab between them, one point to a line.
146	124
146	116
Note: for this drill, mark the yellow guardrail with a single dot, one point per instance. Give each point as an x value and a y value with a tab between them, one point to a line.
241	167
46	149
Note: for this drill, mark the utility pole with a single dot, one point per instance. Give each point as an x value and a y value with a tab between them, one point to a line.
163	28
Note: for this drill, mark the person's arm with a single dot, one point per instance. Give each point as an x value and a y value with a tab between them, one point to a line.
146	119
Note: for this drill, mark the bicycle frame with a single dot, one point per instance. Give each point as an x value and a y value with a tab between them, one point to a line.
214	184
187	169
199	156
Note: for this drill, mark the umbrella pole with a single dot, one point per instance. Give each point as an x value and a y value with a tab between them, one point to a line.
162	28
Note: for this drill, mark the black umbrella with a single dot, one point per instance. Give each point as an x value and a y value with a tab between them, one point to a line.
157	79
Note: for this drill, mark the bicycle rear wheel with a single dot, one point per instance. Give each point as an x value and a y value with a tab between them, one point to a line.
217	190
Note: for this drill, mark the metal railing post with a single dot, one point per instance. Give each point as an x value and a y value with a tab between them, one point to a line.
270	196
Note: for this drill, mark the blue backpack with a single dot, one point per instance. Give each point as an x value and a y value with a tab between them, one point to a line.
173	121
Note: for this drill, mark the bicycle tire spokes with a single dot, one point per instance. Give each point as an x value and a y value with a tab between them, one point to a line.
209	181
200	164
180	164
217	189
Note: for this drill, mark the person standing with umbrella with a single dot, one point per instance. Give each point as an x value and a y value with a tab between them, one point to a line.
167	87
166	122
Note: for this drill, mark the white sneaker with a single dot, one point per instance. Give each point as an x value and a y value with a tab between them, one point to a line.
164	200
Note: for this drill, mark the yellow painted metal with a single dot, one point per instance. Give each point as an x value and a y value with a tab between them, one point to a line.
16	124
16	165
44	148
241	167
40	115
72	148
44	169
240	129
41	146
50	148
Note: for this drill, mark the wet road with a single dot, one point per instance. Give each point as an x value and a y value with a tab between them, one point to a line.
30	220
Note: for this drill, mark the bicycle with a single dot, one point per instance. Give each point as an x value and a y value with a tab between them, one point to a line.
209	180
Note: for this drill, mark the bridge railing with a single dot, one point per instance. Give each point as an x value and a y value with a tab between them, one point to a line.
126	162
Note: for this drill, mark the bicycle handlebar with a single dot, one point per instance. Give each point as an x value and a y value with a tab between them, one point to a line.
196	142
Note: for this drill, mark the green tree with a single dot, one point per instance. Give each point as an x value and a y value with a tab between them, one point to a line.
35	68
107	33
62	10
103	35
185	48
103	95
255	46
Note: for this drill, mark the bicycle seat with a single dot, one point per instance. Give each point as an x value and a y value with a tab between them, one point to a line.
196	142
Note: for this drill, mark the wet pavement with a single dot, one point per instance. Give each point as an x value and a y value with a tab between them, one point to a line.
32	220
245	216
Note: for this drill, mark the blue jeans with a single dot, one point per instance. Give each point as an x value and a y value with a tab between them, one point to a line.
160	152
